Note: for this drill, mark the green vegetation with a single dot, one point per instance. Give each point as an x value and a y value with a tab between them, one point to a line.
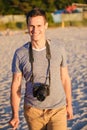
76	23
13	25
22	25
23	6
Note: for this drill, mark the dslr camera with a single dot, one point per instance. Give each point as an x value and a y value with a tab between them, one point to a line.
40	91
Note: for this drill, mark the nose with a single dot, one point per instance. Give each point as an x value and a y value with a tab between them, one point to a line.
35	29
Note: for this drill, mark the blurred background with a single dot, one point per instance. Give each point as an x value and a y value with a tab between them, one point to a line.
59	12
71	15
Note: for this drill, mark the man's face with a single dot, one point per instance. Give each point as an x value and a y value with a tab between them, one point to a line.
37	27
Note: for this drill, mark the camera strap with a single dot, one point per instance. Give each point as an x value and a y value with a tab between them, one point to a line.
31	60
48	56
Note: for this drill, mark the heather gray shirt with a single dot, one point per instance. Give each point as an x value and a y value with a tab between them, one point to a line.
58	59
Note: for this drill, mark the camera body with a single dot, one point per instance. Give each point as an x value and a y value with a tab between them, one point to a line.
40	91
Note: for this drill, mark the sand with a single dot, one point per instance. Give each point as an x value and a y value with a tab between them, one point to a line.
75	40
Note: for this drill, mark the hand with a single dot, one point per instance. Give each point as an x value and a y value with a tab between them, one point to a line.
14	123
69	112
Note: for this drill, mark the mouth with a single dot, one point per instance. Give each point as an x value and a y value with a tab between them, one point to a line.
34	35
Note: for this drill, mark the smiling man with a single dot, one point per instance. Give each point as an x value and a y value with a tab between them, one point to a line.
47	101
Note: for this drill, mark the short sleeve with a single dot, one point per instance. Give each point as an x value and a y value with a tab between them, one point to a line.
16	66
64	58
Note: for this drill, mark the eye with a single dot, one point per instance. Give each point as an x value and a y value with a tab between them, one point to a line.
39	25
31	27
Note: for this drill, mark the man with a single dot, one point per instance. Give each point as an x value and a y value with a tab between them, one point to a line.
41	112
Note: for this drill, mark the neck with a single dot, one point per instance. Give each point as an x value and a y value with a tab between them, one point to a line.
39	44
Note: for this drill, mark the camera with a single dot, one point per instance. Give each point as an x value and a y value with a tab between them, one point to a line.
40	91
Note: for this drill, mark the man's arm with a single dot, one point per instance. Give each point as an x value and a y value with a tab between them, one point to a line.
67	87
15	99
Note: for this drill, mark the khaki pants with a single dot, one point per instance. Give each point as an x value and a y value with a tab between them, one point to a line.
51	119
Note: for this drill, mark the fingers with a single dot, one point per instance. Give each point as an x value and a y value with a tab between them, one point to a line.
69	116
69	113
14	123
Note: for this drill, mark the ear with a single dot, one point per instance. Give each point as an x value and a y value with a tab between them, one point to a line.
46	25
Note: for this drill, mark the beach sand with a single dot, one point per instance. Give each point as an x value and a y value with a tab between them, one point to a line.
75	40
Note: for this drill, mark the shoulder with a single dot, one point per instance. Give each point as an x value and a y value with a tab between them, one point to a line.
23	49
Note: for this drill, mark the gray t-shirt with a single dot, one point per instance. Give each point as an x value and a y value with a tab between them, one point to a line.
22	65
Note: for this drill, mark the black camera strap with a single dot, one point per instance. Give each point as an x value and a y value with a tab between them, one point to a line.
31	60
48	56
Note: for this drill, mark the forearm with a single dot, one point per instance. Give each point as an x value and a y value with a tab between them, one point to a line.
67	87
16	94
15	101
68	92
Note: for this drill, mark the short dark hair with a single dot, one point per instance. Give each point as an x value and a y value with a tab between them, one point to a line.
36	12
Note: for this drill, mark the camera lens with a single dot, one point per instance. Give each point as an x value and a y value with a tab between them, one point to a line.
40	91
41	95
